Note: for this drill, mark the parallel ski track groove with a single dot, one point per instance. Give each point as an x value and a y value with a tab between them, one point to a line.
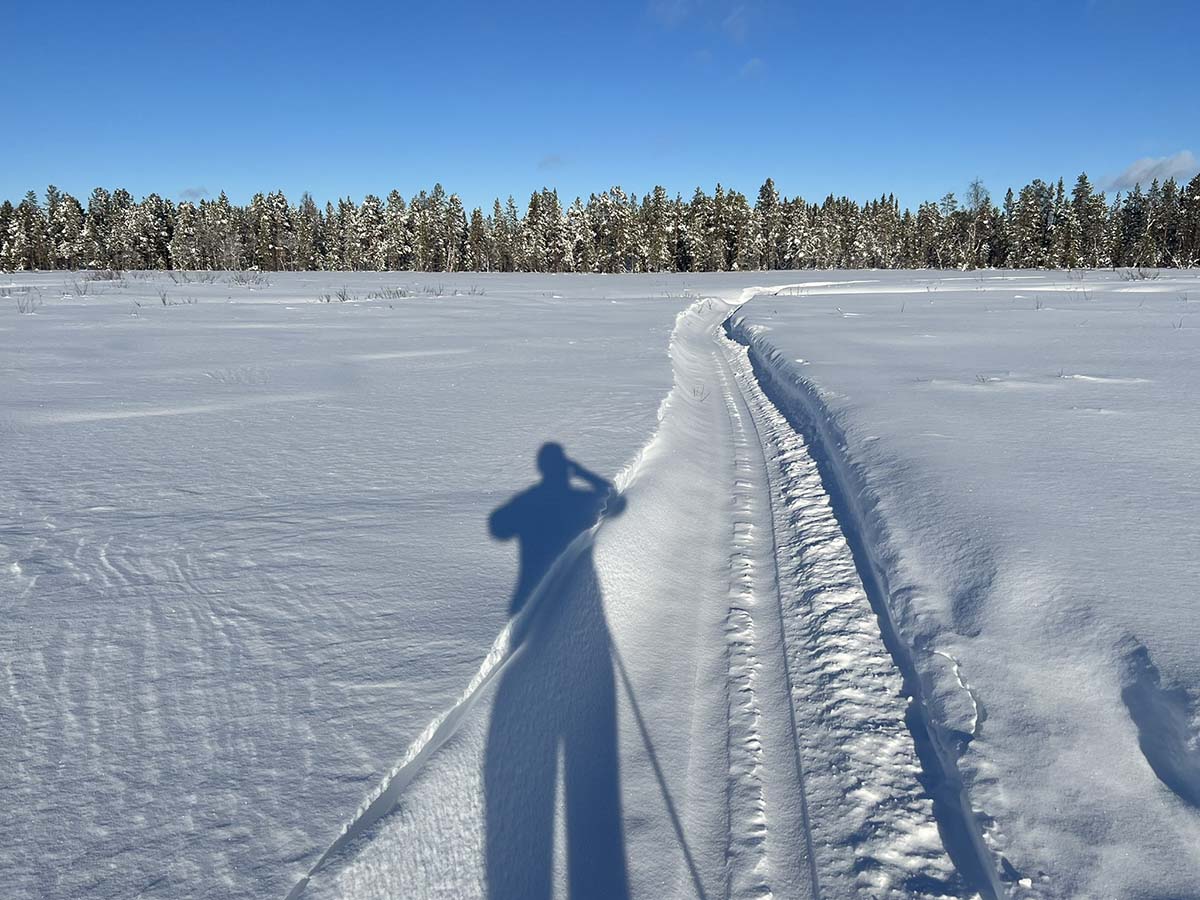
744	742
734	392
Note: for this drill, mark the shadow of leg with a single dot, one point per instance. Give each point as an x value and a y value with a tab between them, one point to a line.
520	771
595	827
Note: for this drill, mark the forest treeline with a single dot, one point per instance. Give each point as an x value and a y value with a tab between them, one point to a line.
1042	226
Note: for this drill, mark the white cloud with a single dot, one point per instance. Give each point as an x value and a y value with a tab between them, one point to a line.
671	12
193	193
736	24
733	19
751	68
1181	166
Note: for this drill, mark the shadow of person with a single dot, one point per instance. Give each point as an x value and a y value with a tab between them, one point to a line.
556	699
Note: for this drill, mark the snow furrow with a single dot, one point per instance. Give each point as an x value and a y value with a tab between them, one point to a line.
904	814
748	814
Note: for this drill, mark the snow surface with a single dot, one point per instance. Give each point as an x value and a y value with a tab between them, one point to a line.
897	597
1018	453
244	556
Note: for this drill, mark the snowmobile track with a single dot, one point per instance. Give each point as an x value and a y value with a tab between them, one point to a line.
758	665
863	797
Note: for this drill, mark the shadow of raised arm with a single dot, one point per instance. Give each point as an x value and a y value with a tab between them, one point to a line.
612	502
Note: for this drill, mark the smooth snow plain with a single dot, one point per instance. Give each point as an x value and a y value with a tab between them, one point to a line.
898	597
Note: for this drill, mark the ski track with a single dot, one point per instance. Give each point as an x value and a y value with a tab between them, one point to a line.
755	613
824	794
869	815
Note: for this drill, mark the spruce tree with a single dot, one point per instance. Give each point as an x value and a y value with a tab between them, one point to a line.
398	240
6	216
370	235
1189	223
456	240
66	226
185	241
580	238
308	234
479	253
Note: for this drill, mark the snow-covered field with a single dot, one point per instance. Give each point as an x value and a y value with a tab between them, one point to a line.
1018	455
244	555
897	598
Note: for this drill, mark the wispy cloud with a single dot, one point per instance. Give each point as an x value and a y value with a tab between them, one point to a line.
671	12
1181	166
736	24
193	193
551	161
731	18
751	68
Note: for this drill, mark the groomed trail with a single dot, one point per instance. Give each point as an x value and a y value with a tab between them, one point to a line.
716	646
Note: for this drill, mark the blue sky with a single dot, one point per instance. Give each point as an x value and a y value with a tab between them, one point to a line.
360	97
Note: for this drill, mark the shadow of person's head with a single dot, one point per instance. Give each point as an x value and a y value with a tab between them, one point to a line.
546	516
552	463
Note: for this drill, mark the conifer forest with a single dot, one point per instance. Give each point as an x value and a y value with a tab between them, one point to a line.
1043	225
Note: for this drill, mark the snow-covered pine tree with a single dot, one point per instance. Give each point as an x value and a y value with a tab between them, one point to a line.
1113	238
515	239
93	251
27	246
1189	223
479	252
531	255
579	236
1030	227
768	239
560	246
1066	243
283	232
262	240
1165	225
799	250
185	240
734	214
978	221
6	217
656	231
398	233
331	227
1146	244
309	239
1090	213
66	226
928	236
1134	219
369	235
456	234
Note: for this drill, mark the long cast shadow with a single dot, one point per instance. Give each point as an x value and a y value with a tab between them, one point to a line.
556	699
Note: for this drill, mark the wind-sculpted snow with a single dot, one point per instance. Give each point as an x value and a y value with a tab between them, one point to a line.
891	595
244	557
1014	453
